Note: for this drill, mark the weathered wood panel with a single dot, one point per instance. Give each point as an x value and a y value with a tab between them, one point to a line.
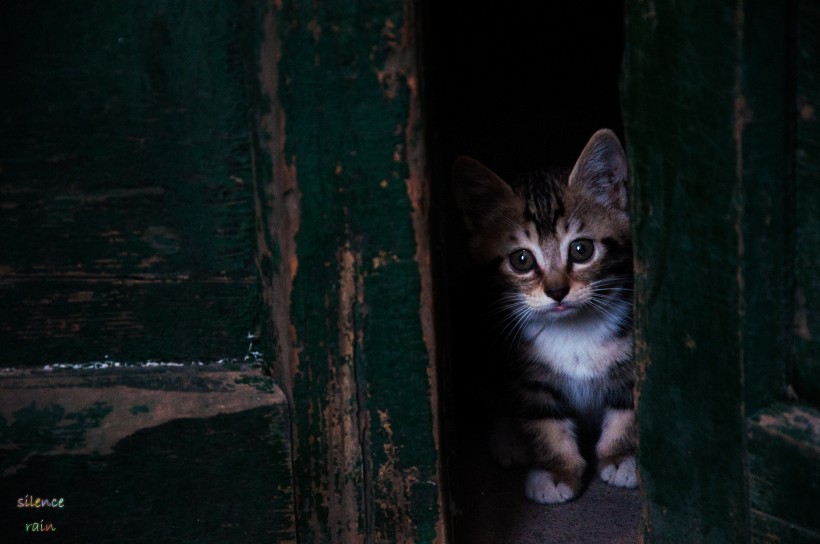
782	460
758	127
346	268
124	159
807	200
763	134
680	108
784	467
146	455
132	319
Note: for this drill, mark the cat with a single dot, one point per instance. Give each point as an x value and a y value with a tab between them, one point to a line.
556	254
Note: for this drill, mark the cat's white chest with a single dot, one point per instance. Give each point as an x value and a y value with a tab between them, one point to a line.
579	351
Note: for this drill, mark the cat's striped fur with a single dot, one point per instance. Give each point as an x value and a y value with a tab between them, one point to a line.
558	255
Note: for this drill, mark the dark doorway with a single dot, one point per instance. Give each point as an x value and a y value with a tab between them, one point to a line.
520	86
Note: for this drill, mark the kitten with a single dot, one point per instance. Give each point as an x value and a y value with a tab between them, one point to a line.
557	252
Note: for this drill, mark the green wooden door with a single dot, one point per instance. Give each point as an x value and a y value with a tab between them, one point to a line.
722	134
127	238
181	179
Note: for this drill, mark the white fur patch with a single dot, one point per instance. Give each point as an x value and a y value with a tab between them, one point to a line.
542	488
624	474
577	348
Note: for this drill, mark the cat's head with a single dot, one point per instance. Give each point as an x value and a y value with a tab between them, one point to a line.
558	243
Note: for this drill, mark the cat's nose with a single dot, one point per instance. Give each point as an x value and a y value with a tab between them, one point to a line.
558	293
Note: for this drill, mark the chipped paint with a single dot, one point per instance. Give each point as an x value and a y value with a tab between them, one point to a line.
398	57
277	209
362	344
793	424
418	192
383	258
146	472
395	486
341	413
130	408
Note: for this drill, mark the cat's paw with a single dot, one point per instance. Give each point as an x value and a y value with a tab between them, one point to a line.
620	473
542	487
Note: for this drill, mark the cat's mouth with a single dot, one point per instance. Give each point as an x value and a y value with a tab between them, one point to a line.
558	310
554	310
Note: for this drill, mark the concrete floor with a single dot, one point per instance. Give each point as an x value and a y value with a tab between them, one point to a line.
491	508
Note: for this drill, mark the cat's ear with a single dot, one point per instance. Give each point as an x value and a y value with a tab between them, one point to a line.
482	196
601	170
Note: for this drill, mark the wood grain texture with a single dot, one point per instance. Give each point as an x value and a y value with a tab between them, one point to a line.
763	132
150	140
784	463
725	240
341	204
124	160
147	455
807	200
680	93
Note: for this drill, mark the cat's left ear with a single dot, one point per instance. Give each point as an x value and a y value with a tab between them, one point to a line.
601	169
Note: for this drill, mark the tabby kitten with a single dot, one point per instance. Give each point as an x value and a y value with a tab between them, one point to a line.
557	252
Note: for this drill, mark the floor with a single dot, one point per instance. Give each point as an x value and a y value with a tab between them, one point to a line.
492	509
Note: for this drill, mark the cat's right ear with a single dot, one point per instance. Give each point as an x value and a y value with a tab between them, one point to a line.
482	196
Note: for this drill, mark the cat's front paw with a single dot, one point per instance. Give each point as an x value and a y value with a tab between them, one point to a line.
621	472
544	488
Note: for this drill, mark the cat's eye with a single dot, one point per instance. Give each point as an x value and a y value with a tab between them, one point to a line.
581	250
522	260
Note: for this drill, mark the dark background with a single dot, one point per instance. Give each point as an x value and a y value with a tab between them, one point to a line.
520	89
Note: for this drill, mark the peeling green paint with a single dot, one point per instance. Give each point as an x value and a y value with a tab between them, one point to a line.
151	489
260	383
204	459
139	409
784	465
351	351
33	430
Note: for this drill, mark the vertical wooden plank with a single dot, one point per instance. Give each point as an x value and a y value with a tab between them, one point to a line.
807	199
681	115
349	263
763	134
782	440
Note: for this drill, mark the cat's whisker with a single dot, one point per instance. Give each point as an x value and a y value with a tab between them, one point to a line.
514	316
609	309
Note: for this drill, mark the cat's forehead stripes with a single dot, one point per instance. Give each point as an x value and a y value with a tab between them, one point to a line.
543	196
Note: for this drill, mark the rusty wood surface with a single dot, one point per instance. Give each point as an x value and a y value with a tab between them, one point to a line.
341	211
183	454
